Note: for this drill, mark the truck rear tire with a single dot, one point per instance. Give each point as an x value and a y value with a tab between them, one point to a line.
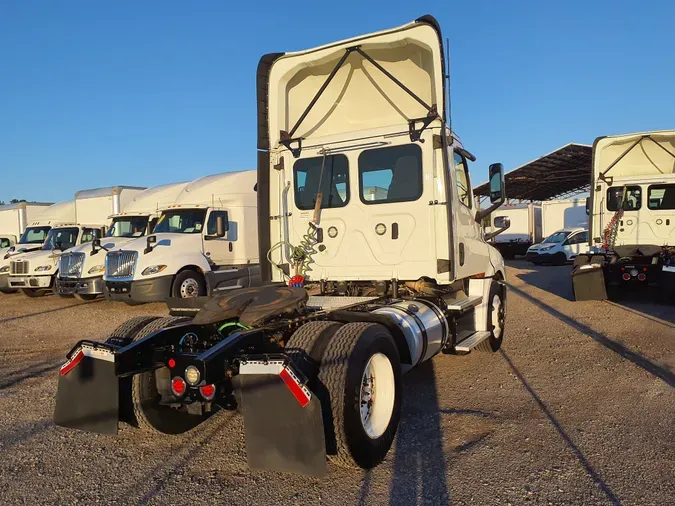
361	374
7	291
33	292
495	319
147	412
188	284
125	333
307	344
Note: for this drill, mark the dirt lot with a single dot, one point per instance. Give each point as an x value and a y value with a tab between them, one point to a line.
577	408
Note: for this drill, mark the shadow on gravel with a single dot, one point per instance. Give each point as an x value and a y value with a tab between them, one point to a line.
419	462
33	371
563	434
22	434
48	311
650	311
639	360
548	278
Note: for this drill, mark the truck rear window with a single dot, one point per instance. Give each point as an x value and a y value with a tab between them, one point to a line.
661	196
334	182
392	174
631	202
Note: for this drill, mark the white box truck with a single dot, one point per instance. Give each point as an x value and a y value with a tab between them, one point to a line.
34	273
379	281
525	229
203	243
14	219
632	218
563	215
34	236
81	268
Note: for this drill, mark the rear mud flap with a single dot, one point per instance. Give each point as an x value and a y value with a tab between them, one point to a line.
588	282
282	420
88	393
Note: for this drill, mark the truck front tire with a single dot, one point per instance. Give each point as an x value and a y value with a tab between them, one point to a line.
188	284
361	374
33	292
496	317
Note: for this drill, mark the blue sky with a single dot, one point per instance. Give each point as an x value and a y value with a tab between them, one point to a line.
149	92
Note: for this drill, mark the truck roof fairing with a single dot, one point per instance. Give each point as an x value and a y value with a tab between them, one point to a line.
380	80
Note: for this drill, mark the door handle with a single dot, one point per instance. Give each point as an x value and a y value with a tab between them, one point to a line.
394	231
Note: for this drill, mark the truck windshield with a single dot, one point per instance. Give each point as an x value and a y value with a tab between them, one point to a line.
128	226
556	238
34	235
184	221
61	238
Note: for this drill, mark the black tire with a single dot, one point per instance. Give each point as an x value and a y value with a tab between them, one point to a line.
342	366
182	277
146	412
559	258
33	292
85	296
307	344
125	333
8	291
494	342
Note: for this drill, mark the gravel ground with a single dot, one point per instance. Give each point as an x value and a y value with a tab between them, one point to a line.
577	408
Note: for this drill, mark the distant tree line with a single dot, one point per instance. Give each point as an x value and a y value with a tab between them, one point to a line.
13	201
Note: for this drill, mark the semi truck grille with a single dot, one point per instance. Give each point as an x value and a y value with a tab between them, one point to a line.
70	265
120	264
19	267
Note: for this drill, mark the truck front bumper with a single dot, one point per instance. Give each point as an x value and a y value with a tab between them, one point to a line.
538	258
80	286
30	281
139	291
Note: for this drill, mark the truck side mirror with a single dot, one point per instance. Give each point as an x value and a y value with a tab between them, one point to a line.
222	225
150	241
501	223
95	246
497	190
588	205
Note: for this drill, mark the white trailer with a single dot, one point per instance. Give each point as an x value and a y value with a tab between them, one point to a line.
525	229
34	273
81	268
559	215
14	219
34	236
204	242
367	284
632	217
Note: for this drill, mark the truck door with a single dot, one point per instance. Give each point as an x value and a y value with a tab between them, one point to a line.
217	249
627	230
470	249
659	213
573	244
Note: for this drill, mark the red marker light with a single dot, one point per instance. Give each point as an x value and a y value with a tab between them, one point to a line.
172	363
642	276
626	276
208	391
178	386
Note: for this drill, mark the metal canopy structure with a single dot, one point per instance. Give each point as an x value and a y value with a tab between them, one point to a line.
563	173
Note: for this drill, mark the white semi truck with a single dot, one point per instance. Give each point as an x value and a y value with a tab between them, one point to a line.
524	231
33	237
81	268
204	242
34	273
362	285
631	217
14	219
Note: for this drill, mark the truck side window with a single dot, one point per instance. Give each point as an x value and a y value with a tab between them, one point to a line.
334	182
89	234
661	196
4	243
391	174
632	201
211	226
462	177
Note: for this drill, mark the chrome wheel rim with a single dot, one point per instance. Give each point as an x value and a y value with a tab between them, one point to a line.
189	288
497	316
377	395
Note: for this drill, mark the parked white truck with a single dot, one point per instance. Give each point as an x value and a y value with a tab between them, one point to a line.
34	236
563	215
34	273
364	285
525	229
632	217
14	219
81	268
203	243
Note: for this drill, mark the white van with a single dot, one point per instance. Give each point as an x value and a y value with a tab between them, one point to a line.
559	248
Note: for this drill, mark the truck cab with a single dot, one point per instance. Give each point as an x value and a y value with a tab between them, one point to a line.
203	243
82	267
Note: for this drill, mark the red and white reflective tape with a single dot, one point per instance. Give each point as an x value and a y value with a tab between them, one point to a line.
86	351
301	393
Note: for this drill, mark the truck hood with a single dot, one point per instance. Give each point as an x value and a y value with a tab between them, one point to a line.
109	243
359	96
40	258
164	240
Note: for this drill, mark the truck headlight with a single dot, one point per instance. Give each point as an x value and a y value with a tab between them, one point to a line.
43	268
4	269
96	269
153	269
